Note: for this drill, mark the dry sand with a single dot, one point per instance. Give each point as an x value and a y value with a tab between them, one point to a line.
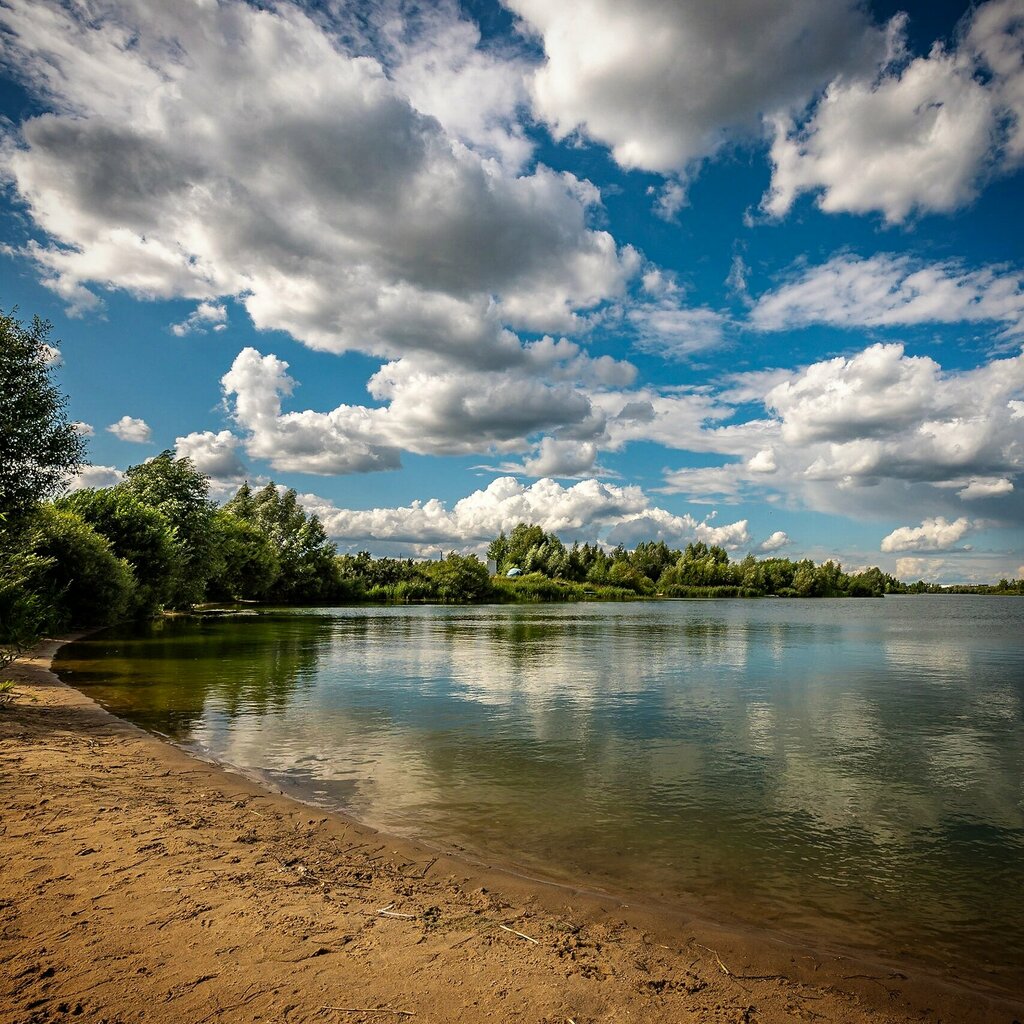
138	883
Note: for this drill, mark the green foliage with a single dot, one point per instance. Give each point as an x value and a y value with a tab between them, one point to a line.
78	578
41	449
180	493
458	579
24	615
139	534
6	693
536	587
306	569
248	565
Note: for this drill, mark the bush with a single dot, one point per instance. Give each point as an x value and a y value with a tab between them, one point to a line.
78	577
137	533
24	616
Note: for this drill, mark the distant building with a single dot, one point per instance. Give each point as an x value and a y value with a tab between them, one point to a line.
492	567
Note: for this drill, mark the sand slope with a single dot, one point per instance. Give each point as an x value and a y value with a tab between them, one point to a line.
140	884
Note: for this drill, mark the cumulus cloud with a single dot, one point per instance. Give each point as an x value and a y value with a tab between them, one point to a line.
324	200
920	135
427	407
84	429
667	85
887	290
920	568
561	458
584	510
985	487
875	433
96	476
215	454
131	428
775	542
206	316
436	58
935	534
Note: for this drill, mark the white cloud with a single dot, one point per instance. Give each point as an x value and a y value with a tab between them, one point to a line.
935	534
215	454
883	395
985	487
920	568
429	408
706	484
478	94
561	458
584	510
920	135
675	332
96	476
773	543
876	434
666	85
888	290
763	462
320	198
131	428
205	316
84	429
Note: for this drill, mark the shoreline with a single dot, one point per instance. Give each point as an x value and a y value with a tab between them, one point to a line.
144	882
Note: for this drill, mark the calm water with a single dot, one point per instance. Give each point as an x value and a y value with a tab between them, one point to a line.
847	768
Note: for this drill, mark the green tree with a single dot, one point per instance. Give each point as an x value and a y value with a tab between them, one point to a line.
248	566
24	615
40	448
79	577
458	578
180	493
138	533
307	558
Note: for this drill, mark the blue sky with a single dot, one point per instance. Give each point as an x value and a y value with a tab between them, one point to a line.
748	272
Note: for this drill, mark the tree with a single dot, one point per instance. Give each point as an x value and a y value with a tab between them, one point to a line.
79	577
180	493
305	555
41	449
138	533
24	615
248	565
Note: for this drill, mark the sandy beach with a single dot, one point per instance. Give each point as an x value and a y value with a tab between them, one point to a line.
140	883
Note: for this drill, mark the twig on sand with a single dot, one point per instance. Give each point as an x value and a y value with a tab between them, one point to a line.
714	953
738	977
370	1009
536	942
388	912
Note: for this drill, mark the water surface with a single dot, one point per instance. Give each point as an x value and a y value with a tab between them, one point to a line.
847	769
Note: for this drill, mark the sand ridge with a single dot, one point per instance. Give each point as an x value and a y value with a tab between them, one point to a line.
140	884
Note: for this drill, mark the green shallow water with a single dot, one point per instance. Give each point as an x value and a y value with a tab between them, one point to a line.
849	769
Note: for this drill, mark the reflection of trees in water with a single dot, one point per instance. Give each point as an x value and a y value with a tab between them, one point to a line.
165	674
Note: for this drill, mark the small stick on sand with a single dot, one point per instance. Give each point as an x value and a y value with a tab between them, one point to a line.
370	1009
520	934
714	953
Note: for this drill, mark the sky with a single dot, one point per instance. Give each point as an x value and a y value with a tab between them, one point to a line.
749	272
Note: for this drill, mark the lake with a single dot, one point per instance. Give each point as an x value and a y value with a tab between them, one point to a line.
851	770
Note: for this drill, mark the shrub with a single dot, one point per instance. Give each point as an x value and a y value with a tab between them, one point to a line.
78	577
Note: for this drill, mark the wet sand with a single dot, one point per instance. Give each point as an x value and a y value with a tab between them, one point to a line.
141	884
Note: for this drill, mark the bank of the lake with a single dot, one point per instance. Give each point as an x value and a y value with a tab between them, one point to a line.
140	883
